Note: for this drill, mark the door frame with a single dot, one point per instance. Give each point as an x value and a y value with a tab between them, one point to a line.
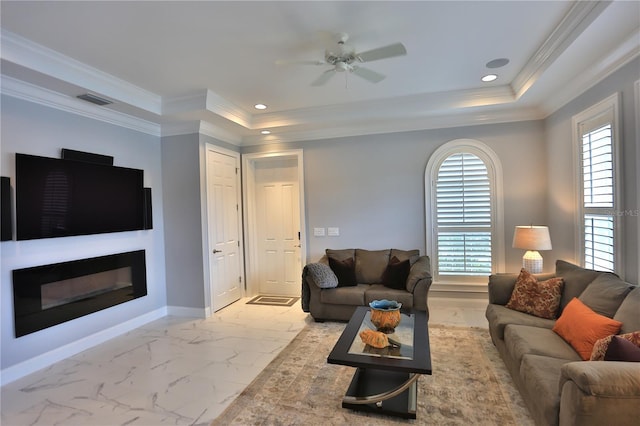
206	243
249	162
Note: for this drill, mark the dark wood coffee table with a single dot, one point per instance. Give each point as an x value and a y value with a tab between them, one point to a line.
386	379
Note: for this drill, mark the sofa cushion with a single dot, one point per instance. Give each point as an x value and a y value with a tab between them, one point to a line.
601	346
500	316
605	294
396	274
322	275
582	328
341	254
539	298
523	339
380	292
540	375
411	255
576	279
370	265
344	270
344	295
627	313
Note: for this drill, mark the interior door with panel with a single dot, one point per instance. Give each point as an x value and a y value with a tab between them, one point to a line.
223	209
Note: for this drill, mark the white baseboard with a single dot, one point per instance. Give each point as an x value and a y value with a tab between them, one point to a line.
181	311
44	360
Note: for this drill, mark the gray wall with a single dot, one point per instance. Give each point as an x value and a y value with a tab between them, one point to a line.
372	187
33	129
562	208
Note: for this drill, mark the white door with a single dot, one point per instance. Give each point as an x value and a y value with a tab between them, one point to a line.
278	227
224	229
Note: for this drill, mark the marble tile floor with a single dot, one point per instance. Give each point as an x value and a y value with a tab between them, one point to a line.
173	371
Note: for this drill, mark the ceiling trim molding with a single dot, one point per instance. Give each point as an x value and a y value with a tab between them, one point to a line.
581	14
464	119
216	132
41	96
34	56
619	57
222	107
183	104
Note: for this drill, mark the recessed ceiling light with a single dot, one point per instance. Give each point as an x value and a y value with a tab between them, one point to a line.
489	77
260	106
497	63
265	132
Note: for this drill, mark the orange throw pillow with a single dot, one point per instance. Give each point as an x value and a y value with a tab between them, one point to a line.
581	327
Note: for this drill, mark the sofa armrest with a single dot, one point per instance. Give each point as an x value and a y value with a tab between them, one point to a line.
420	270
501	286
603	378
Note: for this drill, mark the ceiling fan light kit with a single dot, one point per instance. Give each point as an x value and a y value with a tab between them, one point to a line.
345	58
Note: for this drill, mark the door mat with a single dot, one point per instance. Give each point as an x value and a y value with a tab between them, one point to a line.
273	300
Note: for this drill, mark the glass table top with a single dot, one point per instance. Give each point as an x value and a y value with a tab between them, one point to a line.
400	341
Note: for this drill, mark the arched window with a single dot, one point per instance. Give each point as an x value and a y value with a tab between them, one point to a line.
465	232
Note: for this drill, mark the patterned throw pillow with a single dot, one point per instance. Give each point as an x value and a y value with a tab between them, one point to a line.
322	275
601	346
539	298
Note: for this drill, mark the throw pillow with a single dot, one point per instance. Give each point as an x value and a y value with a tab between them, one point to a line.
601	346
322	275
582	328
539	298
395	276
622	350
605	294
345	271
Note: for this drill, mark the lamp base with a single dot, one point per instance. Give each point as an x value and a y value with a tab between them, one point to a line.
532	262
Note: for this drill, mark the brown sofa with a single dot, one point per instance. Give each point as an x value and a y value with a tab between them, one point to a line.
557	386
339	303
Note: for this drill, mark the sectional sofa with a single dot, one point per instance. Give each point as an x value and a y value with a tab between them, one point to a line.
557	384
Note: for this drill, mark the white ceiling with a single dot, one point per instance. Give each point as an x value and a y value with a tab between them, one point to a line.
180	66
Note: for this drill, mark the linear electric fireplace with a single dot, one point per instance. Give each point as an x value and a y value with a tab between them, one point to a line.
47	295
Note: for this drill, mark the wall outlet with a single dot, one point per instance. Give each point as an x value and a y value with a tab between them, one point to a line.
318	232
333	232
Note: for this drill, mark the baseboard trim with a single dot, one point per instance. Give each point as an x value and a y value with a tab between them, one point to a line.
44	360
181	311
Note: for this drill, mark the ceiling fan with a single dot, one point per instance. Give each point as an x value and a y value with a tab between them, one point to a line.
345	58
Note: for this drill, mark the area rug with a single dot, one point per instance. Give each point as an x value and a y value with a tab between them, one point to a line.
469	385
273	300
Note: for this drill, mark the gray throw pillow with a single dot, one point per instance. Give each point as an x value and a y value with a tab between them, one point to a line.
605	294
322	275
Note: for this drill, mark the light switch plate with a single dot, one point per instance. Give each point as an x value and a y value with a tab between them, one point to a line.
318	232
333	232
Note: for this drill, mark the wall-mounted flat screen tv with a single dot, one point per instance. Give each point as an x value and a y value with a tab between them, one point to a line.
59	198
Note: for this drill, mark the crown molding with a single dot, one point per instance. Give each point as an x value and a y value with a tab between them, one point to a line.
581	14
226	109
31	55
592	75
41	96
373	127
216	132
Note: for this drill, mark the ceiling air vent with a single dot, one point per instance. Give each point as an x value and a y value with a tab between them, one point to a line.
94	99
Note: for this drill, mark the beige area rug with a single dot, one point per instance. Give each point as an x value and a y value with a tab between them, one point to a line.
469	385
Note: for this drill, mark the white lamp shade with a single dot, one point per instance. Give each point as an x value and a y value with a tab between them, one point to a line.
532	238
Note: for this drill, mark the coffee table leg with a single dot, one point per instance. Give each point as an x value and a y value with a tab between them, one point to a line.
383	392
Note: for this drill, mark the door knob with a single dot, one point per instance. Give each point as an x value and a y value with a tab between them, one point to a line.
217	251
297	245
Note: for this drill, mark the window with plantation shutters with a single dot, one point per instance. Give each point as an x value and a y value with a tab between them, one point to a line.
464	234
596	142
463	206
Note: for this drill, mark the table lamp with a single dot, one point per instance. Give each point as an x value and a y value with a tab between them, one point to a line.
532	238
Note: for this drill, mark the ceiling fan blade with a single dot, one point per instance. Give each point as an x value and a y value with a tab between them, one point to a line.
368	74
324	77
292	62
389	51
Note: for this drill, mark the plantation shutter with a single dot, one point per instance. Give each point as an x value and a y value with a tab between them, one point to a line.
463	216
598	190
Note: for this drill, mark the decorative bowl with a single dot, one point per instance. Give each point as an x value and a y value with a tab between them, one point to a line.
385	315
